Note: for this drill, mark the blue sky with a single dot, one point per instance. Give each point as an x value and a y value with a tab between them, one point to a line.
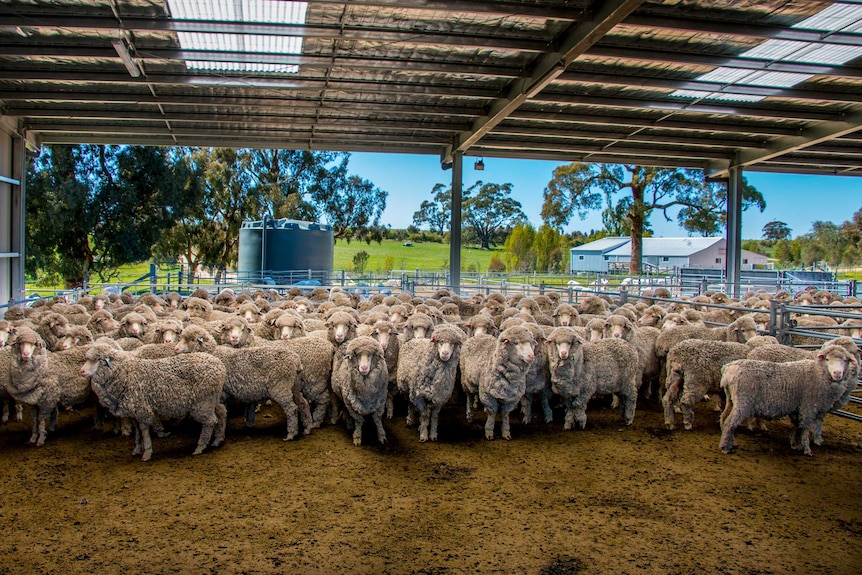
793	199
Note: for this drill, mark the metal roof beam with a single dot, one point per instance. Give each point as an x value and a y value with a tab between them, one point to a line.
502	7
109	24
548	67
699	59
709	26
823	132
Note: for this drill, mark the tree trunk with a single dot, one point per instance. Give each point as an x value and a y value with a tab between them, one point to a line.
636	216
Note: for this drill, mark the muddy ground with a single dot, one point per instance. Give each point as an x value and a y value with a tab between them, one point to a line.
608	499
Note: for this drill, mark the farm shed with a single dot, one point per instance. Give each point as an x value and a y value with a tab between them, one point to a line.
718	85
660	253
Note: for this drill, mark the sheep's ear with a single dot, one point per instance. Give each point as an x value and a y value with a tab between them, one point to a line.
201	339
381	355
506	341
108	361
820	356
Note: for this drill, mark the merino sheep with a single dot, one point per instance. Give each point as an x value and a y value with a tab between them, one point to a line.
565	315
503	381
805	390
361	383
102	322
643	339
694	370
256	374
580	370
426	373
5	398
147	390
473	361
51	328
29	382
538	383
134	325
385	332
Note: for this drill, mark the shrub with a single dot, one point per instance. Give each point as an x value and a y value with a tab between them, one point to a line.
496	264
389	263
360	260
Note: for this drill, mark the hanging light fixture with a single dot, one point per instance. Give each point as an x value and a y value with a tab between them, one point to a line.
126	57
479	165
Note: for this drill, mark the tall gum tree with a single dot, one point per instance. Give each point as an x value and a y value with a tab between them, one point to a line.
580	188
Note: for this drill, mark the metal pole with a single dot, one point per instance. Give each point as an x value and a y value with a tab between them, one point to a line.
19	201
455	223
734	230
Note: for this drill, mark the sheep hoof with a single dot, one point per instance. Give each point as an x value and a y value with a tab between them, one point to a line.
688	426
357	442
669	426
567	426
728	450
507	436
163	434
217	442
290	437
307	430
198	451
549	419
489	436
147	455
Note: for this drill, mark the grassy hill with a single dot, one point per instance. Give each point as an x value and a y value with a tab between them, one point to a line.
423	256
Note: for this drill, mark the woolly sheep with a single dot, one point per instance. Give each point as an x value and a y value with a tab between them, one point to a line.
642	338
481	324
146	390
565	315
289	325
805	390
538	381
385	332
255	374
5	398
473	361
102	322
361	382
580	370
134	325
426	374
419	325
52	327
29	383
694	370
503	381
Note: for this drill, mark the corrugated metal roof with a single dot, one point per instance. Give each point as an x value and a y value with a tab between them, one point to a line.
570	80
602	246
669	247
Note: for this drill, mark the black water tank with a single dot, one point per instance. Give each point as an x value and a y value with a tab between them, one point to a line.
289	245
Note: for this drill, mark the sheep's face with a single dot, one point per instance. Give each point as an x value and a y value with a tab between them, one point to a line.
58	325
564	349
564	319
190	343
673	320
5	332
232	333
340	331
250	316
64	343
745	333
167	335
445	349
104	324
419	332
134	327
396	317
616	330
838	362
479	330
301	308
98	304
382	335
364	362
596	331
26	350
523	349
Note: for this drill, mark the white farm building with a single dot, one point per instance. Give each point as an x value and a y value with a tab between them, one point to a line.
606	254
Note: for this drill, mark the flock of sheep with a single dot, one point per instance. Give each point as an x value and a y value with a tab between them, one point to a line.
332	357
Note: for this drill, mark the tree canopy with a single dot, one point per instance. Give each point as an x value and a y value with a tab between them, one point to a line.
581	187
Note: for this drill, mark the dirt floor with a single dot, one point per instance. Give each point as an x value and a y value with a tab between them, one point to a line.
608	499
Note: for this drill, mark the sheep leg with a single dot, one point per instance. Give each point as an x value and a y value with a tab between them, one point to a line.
378	423
221	425
729	425
250	410
569	420
52	420
505	410
356	421
285	402
491	406
411	414
424	418
435	415
615	400
19	412
304	410
208	423
471	399
41	426
318	414
817	432
34	435
390	404
546	405
138	446
5	417
147	442
527	408
670	398
627	409
335	414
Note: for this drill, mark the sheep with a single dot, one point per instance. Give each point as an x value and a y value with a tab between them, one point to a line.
538	381
134	325
235	332
166	331
361	382
29	382
504	378
694	370
565	315
419	325
52	327
595	328
481	324
76	336
740	331
5	398
580	370
256	374
426	374
147	390
385	332
5	332
805	390
593	305
289	325
643	339
102	322
474	353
